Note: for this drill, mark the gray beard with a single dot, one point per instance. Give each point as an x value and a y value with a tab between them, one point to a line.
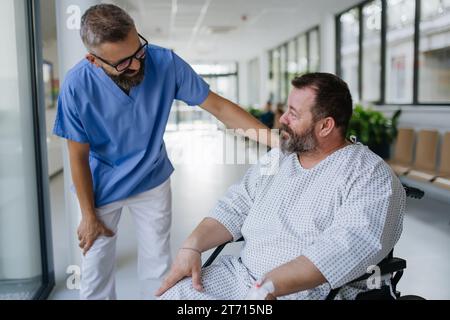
299	144
125	82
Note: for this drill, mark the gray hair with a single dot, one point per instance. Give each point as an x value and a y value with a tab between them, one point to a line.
105	23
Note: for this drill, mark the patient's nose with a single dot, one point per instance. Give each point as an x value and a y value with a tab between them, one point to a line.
135	65
283	119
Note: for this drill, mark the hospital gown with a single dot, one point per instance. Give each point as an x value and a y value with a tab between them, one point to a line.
345	214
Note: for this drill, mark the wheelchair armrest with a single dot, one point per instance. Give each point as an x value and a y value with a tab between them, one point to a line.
392	265
387	266
217	251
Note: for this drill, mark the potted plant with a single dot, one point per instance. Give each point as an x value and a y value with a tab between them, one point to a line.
374	129
255	112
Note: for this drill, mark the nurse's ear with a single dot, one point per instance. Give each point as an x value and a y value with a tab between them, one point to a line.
92	59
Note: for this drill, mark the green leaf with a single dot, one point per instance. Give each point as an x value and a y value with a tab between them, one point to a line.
371	127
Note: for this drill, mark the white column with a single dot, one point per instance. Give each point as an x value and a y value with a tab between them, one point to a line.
243	83
70	51
264	93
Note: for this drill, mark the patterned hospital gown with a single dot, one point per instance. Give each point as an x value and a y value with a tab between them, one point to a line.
344	215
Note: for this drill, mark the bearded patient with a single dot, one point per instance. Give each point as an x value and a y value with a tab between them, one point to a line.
330	210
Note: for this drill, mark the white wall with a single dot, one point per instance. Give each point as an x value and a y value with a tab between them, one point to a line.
421	117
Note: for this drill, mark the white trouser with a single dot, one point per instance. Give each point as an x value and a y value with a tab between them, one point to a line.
152	215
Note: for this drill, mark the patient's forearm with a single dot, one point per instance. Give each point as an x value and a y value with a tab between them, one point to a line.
209	234
298	275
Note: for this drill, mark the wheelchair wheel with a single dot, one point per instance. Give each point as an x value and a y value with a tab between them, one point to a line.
411	297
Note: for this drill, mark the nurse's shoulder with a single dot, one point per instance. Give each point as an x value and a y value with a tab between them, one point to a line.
80	78
161	57
159	53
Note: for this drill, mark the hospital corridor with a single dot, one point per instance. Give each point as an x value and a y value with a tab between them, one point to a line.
225	150
424	237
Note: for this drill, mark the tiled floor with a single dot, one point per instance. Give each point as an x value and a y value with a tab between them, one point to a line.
196	187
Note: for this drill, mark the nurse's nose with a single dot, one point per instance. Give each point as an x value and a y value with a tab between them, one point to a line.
135	65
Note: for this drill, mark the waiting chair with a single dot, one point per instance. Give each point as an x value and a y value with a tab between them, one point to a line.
388	266
403	155
424	168
443	179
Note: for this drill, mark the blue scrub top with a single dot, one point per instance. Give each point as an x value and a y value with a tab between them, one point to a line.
125	132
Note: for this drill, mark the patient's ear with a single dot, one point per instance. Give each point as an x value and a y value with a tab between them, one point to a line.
326	127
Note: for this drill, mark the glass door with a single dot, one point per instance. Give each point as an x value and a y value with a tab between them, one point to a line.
25	262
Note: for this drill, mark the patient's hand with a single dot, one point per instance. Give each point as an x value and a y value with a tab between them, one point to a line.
187	264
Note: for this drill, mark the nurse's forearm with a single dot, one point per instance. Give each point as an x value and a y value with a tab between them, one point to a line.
297	275
234	117
209	233
82	178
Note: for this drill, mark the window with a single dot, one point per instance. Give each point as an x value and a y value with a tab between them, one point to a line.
302	50
371	55
400	51
297	56
434	52
222	78
253	82
283	74
292	60
396	51
24	269
349	50
314	51
275	75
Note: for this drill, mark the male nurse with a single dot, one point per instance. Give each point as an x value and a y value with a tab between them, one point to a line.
113	109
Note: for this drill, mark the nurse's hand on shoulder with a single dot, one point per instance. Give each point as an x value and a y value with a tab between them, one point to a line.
187	264
89	230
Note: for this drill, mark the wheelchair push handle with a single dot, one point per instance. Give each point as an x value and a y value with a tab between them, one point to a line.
413	192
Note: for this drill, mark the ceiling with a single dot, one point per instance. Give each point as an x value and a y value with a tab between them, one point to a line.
219	30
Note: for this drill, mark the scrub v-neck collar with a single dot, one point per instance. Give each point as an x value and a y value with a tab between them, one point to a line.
114	87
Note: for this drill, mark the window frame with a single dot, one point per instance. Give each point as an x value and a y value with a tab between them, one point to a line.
416	68
285	76
42	182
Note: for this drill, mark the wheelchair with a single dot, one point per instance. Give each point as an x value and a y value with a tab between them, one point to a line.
390	265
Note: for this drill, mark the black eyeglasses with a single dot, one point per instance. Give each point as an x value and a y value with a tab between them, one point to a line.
124	64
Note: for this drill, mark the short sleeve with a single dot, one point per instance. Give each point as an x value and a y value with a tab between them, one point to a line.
190	87
68	124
